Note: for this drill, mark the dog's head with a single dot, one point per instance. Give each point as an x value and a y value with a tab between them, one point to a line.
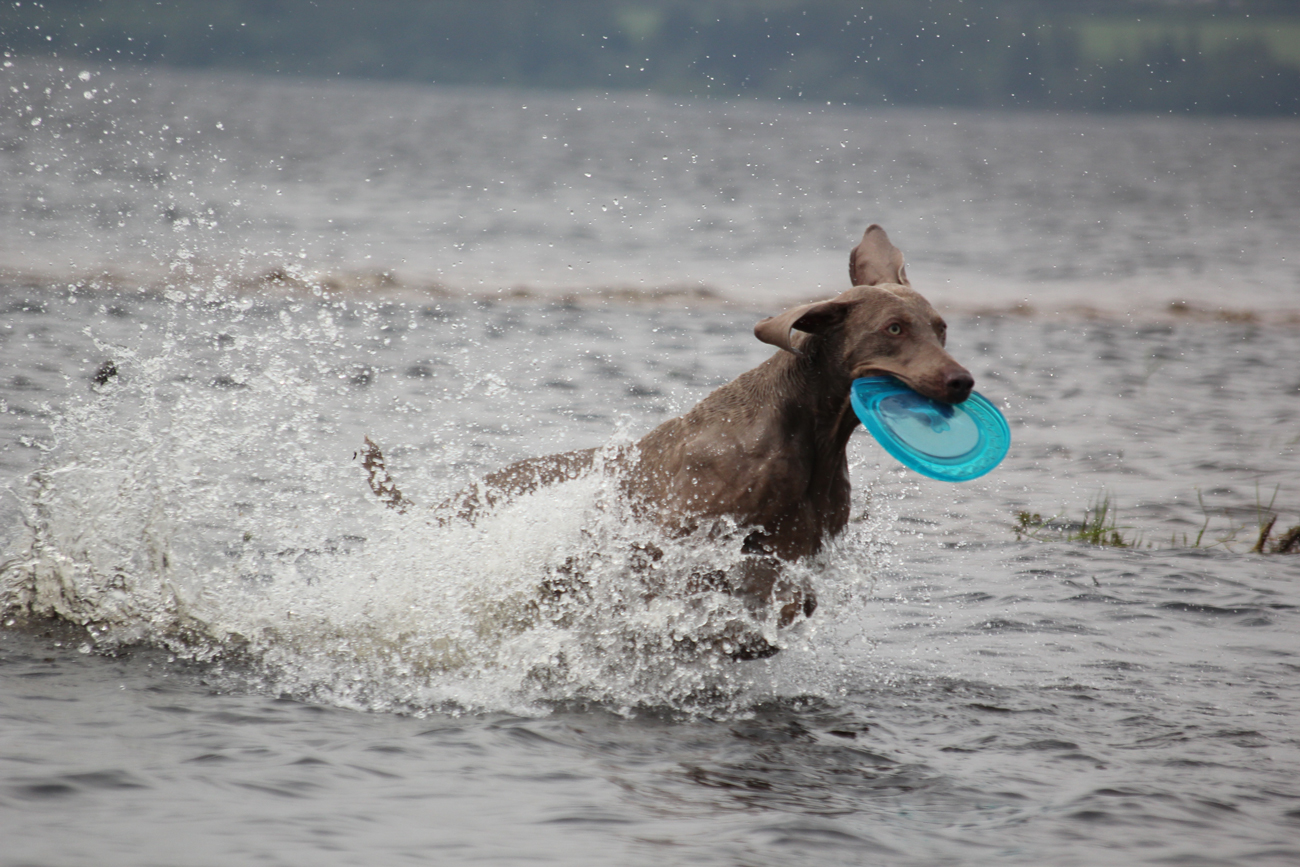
880	326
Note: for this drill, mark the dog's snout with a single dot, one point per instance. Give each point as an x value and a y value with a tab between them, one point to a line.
959	385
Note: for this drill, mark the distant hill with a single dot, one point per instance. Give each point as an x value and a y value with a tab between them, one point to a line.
1239	57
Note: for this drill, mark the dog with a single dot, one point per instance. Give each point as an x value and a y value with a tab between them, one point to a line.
767	450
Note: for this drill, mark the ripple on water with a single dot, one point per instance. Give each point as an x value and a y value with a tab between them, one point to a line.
958	692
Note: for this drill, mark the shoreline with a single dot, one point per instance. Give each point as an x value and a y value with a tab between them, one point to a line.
386	287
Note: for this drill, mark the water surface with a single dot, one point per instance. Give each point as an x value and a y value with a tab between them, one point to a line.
148	175
220	648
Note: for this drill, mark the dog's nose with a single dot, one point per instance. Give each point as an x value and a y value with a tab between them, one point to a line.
959	386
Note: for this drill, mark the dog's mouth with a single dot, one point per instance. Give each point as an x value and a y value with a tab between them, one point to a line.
952	387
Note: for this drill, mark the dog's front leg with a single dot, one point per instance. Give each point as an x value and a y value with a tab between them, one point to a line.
761	581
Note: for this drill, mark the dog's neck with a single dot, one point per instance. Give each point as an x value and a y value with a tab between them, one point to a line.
767	449
813	398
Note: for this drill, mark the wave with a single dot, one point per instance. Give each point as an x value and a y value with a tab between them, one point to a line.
200	497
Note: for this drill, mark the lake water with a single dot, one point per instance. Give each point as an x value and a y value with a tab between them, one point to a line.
220	649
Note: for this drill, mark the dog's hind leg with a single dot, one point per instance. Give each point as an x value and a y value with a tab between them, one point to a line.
372	459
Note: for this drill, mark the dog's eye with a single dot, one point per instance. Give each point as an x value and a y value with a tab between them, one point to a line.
895	329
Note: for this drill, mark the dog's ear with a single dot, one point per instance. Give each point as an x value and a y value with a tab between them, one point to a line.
875	260
812	318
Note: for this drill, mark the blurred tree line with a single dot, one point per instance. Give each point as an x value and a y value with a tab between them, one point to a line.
1236	56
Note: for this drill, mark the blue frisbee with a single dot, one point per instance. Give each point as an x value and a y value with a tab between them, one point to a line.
950	442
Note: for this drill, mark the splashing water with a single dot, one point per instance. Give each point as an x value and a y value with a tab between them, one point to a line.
202	497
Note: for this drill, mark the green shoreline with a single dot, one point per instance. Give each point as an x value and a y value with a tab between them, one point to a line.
1239	58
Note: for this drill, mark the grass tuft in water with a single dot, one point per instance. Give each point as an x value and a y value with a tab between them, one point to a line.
1287	543
1100	527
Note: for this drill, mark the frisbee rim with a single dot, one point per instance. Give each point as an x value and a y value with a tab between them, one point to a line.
867	392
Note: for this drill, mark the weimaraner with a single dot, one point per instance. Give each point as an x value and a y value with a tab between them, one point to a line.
767	450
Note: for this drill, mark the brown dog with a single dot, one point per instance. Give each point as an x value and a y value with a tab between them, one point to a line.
767	450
